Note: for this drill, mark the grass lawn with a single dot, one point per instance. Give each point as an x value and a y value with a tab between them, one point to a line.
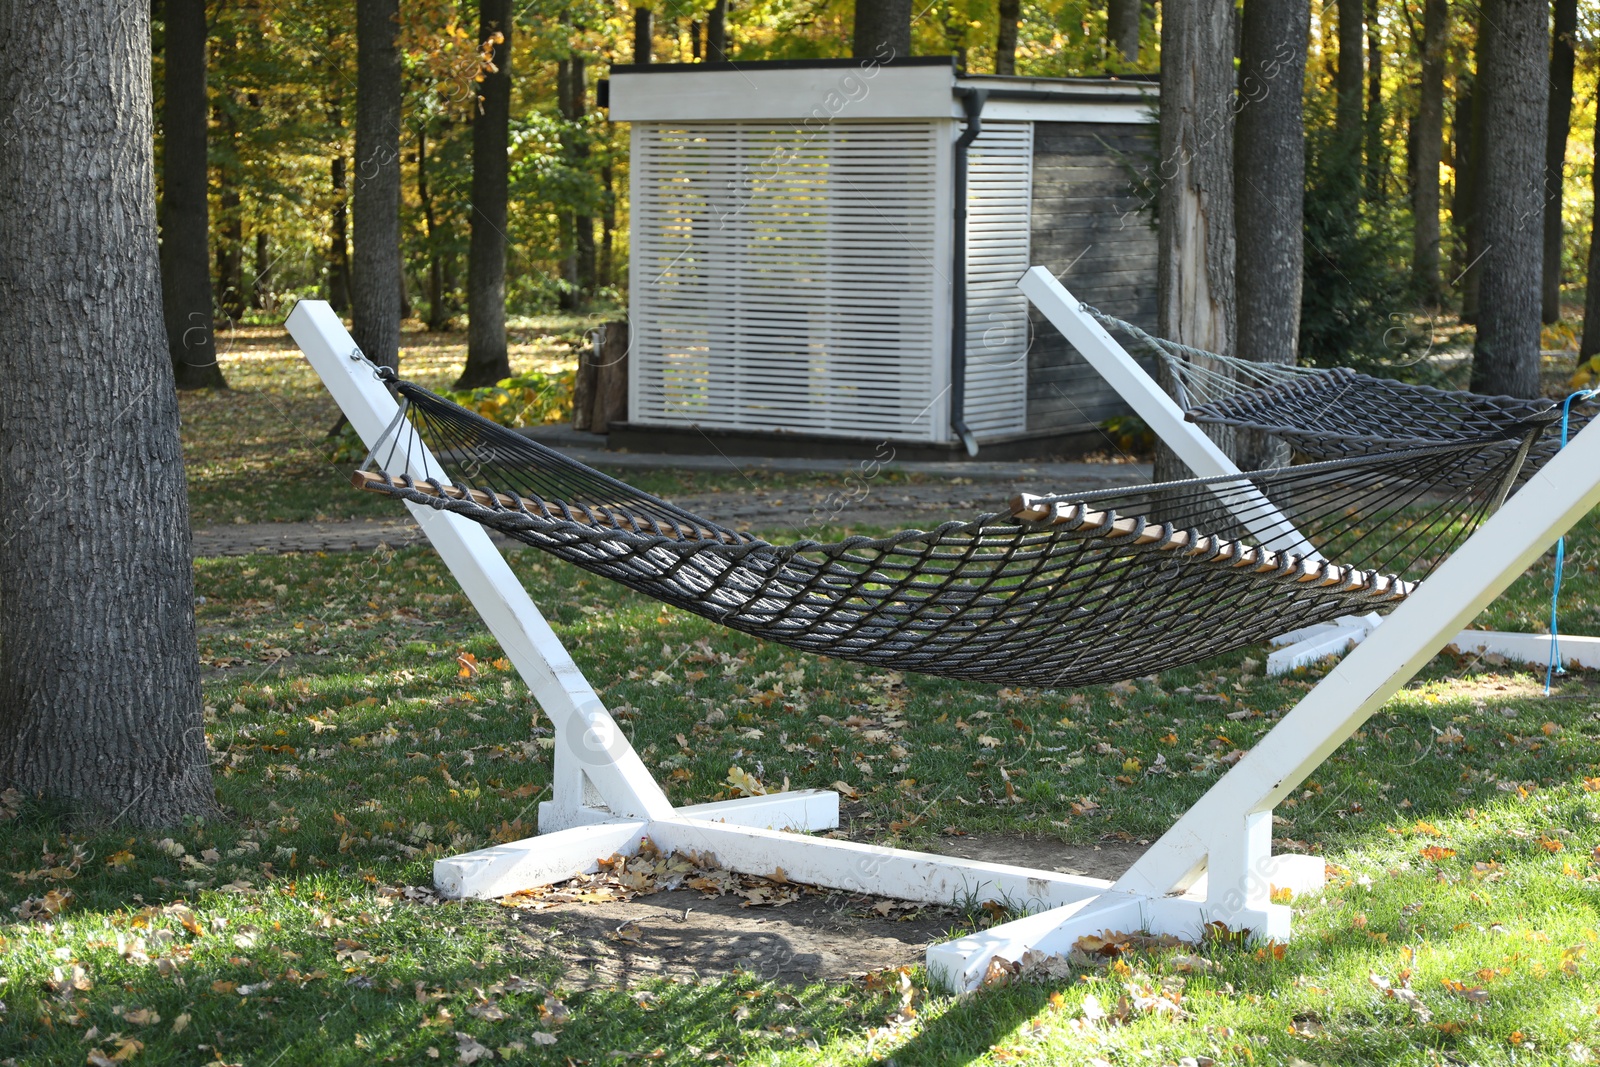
362	724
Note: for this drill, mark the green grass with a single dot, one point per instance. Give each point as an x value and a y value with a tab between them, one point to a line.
351	748
259	451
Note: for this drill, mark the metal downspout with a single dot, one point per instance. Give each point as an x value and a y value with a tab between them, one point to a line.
972	101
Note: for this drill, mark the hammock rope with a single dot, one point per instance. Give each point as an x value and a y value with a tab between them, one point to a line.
1056	591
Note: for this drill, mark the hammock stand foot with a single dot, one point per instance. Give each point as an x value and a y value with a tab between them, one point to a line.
1215	864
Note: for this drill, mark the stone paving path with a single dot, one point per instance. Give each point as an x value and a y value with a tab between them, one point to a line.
783	514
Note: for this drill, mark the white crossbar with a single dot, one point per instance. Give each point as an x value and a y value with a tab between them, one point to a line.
1215	864
1152	404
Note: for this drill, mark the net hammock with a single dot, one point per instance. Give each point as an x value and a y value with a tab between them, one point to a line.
1055	591
1332	413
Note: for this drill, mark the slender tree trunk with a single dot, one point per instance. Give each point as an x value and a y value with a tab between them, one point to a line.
717	33
608	226
375	274
261	283
1559	122
185	221
882	30
1429	140
1269	165
1347	84
1472	177
1505	357
1005	45
339	237
487	358
643	34
99	670
1590	345
1122	29
430	222
1377	158
583	237
1195	272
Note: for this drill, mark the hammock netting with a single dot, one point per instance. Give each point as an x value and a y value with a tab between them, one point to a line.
1055	591
1333	413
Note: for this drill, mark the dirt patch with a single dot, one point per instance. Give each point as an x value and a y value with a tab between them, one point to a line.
681	935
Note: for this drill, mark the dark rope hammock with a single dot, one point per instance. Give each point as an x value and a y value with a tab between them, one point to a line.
1057	591
1336	413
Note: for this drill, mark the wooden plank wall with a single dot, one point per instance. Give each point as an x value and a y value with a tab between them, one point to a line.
1088	227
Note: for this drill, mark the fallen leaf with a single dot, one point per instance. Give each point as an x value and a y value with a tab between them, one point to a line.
469	1051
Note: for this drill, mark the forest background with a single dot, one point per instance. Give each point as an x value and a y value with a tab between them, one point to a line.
281	95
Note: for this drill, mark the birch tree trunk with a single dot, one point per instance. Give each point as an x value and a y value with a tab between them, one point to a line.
1505	357
99	672
375	268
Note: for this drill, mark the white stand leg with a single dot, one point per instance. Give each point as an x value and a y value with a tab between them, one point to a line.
1215	864
1202	455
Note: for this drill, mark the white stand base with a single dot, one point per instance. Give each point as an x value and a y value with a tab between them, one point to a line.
1214	865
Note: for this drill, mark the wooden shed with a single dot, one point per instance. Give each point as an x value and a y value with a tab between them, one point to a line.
823	254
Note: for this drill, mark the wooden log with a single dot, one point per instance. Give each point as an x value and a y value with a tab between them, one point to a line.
583	388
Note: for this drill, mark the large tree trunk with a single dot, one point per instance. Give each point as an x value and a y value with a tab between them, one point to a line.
1195	272
1591	297
1505	357
882	30
1269	164
717	33
1559	122
487	358
185	218
99	671
1122	29
1005	43
375	274
1429	137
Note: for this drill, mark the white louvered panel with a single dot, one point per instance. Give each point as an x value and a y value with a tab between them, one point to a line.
999	201
785	279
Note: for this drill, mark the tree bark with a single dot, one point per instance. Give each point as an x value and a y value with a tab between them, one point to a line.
1377	162
487	357
1269	164
1005	45
882	30
1122	29
1563	57
1196	243
339	237
1429	138
185	211
717	33
1470	178
261	284
375	274
99	671
1347	83
643	34
1505	357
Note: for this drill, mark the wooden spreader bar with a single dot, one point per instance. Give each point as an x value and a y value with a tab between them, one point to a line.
1026	507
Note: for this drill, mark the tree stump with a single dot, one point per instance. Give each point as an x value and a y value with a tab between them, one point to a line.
600	393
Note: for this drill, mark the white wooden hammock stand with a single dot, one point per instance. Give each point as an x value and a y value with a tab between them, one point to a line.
1151	403
1214	864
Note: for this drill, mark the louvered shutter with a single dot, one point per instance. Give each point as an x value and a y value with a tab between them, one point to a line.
999	205
791	279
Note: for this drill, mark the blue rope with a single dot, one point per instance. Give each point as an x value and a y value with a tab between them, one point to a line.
1553	667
